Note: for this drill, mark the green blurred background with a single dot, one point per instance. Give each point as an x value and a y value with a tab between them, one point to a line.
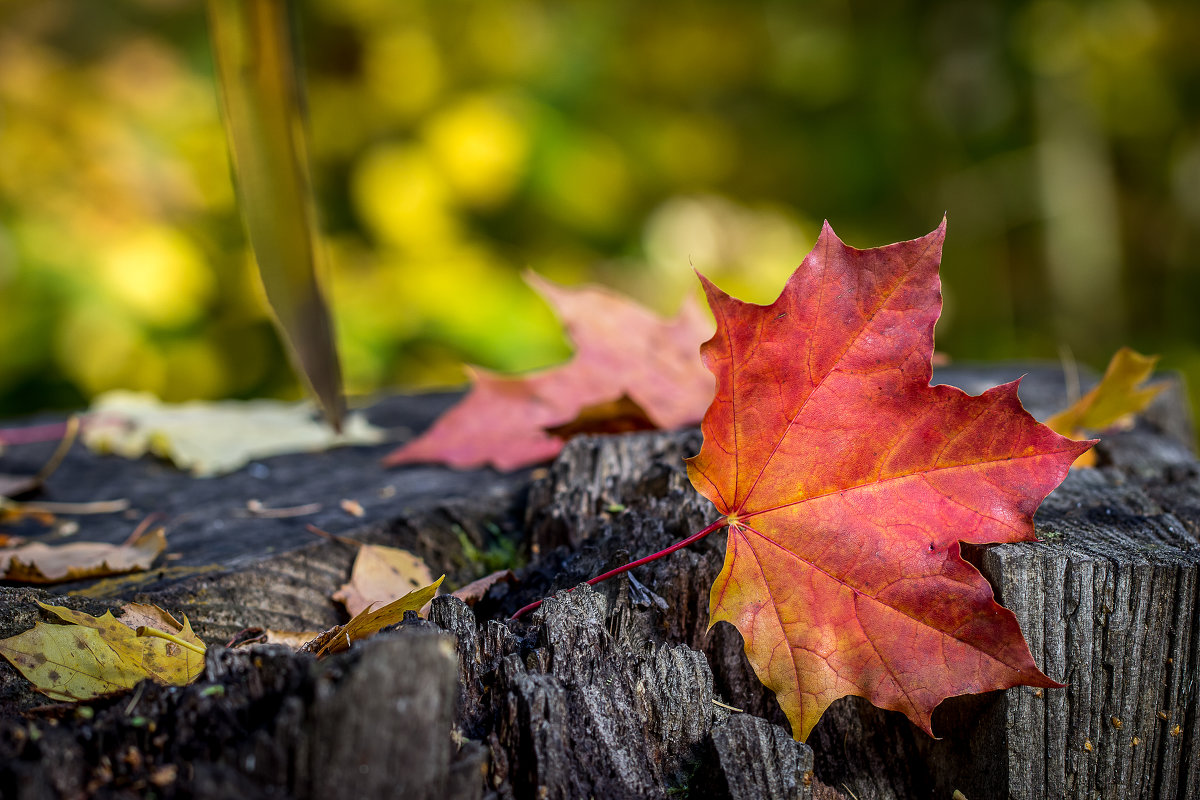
458	142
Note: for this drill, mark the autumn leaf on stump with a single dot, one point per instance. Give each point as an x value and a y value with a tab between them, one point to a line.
370	621
35	562
847	482
1117	397
381	575
631	370
95	656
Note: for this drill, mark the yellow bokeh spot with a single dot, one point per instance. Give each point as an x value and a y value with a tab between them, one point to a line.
404	198
158	275
481	144
100	350
403	70
477	303
747	250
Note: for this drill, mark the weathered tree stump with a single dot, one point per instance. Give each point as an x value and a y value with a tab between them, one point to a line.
607	692
1108	602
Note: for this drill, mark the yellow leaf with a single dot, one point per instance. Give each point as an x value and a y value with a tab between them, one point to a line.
42	563
381	575
68	662
94	656
368	623
158	658
1117	396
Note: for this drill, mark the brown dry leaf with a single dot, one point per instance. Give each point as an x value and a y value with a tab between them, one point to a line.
474	591
368	623
95	656
380	575
622	415
1113	401
43	563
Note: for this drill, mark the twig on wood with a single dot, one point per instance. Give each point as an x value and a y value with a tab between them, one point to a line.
96	507
333	536
257	509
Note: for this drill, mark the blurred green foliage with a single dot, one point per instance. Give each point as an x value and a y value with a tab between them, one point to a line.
458	142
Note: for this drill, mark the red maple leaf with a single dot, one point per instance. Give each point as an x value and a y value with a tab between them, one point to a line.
847	483
631	370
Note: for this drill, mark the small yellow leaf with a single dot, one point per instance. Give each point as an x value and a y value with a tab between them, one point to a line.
42	563
163	660
69	662
381	575
1118	395
94	656
368	623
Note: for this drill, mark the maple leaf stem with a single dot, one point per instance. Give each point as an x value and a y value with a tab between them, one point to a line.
145	630
695	537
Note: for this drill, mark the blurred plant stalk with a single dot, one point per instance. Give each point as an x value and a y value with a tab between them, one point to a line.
260	88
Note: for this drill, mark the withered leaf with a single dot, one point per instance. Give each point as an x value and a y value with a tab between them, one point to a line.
381	575
367	623
213	438
35	562
95	656
476	590
1119	395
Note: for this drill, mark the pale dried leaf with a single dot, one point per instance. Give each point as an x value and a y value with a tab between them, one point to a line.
381	575
36	562
213	438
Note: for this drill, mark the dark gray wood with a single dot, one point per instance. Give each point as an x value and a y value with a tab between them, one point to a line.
383	730
760	761
588	707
